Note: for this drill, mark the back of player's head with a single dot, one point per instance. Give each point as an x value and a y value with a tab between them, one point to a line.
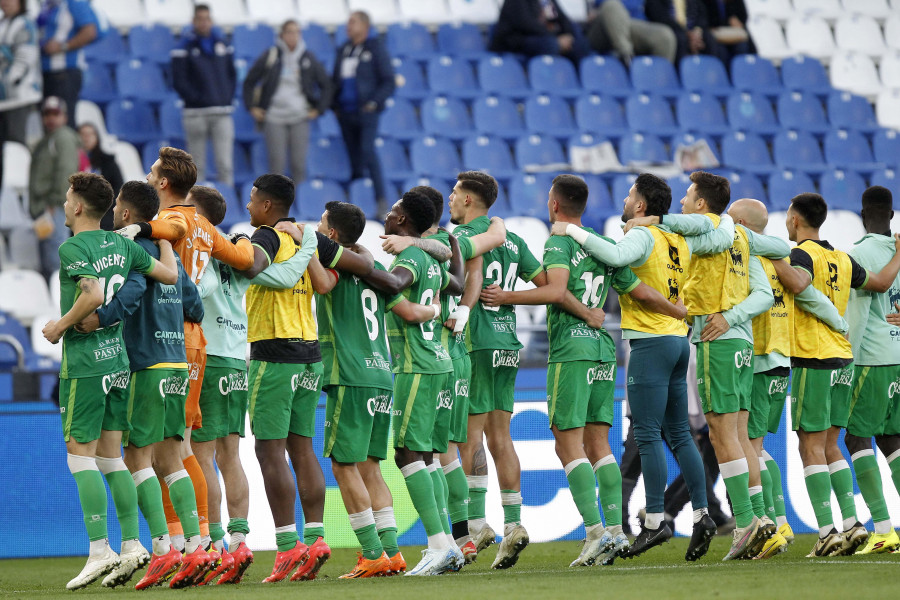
347	219
481	185
437	200
276	188
811	208
201	7
714	189
94	191
141	198
178	167
878	202
571	192
418	210
656	193
209	202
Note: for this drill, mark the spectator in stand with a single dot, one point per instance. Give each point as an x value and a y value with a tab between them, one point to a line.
363	80
285	89
53	159
204	76
101	163
535	27
66	27
689	21
612	29
727	19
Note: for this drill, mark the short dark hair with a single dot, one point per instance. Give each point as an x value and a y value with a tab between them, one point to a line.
437	200
200	7
178	167
811	208
94	191
362	15
347	219
480	184
211	203
288	22
572	193
656	193
277	188
142	198
418	210
715	189
878	202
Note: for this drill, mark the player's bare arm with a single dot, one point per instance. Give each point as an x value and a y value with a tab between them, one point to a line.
651	298
881	282
165	270
457	273
390	282
794	279
323	280
89	299
414	314
359	262
395	244
553	292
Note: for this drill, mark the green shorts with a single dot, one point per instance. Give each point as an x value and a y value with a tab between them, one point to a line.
459	415
283	398
83	406
725	375
357	423
874	400
223	399
156	400
493	380
580	392
767	404
416	398
443	416
820	398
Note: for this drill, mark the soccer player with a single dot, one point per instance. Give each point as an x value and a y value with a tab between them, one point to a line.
822	364
94	263
581	374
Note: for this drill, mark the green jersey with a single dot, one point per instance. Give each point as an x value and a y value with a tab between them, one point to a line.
455	343
106	257
494	328
352	336
875	341
417	348
589	280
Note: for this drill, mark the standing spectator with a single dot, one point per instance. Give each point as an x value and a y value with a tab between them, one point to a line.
204	76
52	161
535	27
689	20
364	80
101	163
612	28
271	95
66	27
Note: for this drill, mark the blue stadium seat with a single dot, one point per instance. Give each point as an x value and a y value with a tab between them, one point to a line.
234	211
642	147
752	113
446	116
409	39
452	76
701	113
496	115
805	74
393	159
655	75
886	146
688	138
605	75
409	72
150	152
553	75
141	79
538	150
849	111
785	184
482	153
243	167
549	115
109	49
319	42
746	151
621	186
850	149
151	41
647	113
325	126
362	194
399	120
245	129
799	150
311	197
461	39
888	178
132	121
802	111
97	84
745	185
842	189
752	73
10	326
528	196
442	185
600	114
259	158
580	141
502	76
705	74
251	40
600	204
679	185
327	159
434	157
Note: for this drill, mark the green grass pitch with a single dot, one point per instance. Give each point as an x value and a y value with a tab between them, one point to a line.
542	572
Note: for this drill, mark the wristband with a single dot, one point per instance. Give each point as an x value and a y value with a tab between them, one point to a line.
577	233
146	230
437	310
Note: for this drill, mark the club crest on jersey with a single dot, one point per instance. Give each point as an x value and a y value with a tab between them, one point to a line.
779	298
833	277
673	289
737	258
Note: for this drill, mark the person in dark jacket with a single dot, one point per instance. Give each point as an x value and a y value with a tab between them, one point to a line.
271	95
103	164
204	76
364	80
535	27
689	20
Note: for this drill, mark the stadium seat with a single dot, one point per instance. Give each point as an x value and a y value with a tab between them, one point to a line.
701	113
502	76
150	151
621	186
605	75
496	115
872	8
393	159
442	185
10	326
785	184
769	37
776	9
825	9
88	112
172	13
382	12
362	194
704	74
529	196
889	68
452	77
16	165
848	111
228	13
430	12
311	197
859	33
97	84
842	189
399	120
536	151
752	113
549	115
170	120
553	75
328	160
464	40
892	31
689	138
129	161
326	126
746	151
482	153
600	204
887	108
141	80
654	75
434	157
234	210
843	227
32	296
151	42
371	239
679	185
409	39
751	73
855	73
326	14
482	12
251	40
806	75
886	146
319	42
810	36
745	185
798	150
446	116
108	50
245	128
123	14
849	149
581	142
890	179
650	114
243	166
642	148
275	12
600	114
132	121
797	110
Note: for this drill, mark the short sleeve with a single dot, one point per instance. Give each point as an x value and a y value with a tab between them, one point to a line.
801	258
557	253
266	240
858	275
141	261
407	260
466	247
74	262
624	280
329	250
529	266
82	14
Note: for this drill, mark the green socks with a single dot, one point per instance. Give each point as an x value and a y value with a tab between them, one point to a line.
181	491
766	480
583	487
737	482
286	537
237	532
421	492
477	495
818	486
842	484
149	495
609	482
512	507
91	494
777	490
757	501
439	483
123	493
457	492
387	529
868	477
363	524
216	533
312	532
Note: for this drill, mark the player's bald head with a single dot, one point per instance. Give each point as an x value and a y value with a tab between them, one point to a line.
750	213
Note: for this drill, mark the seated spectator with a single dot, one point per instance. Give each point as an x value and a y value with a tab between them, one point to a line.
271	95
611	28
688	19
535	27
727	20
101	163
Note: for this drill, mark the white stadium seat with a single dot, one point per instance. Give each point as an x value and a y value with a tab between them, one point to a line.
825	9
123	14
243	227
887	108
769	38
873	8
371	239
54	288
88	112
859	33
475	11
612	228
855	73
427	12
890	69
576	10
776	9
331	13
777	226
274	12
129	162
25	294
810	36
228	13
39	343
842	228
16	164
172	13
892	31
381	12
532	230
13	212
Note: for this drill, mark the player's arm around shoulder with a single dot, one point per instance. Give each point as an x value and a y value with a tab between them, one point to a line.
769	246
89	299
164	270
403	274
718	240
795	275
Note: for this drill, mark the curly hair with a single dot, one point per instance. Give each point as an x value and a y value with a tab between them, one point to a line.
94	191
418	210
656	193
437	200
